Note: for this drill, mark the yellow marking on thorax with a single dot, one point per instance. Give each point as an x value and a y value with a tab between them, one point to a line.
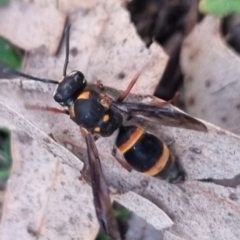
61	79
134	137
106	117
97	129
160	164
84	95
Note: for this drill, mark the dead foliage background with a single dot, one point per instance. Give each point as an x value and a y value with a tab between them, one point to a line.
44	196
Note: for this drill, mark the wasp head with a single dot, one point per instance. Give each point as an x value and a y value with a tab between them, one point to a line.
69	88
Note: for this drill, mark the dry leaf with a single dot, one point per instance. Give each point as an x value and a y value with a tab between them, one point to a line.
66	6
144	209
36	26
44	189
104	45
199	210
193	205
211	76
44	196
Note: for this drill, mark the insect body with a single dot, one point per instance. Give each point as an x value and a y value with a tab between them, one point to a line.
99	114
85	107
148	154
143	151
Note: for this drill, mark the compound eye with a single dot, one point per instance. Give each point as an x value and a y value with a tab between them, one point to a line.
79	77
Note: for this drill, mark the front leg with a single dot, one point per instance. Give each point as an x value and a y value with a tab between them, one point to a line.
46	108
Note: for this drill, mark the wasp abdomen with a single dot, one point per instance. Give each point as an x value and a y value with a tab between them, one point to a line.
148	154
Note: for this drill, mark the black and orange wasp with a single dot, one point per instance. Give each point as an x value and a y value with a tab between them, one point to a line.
97	113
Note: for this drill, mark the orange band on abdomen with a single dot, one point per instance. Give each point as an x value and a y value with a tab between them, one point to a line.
131	141
160	164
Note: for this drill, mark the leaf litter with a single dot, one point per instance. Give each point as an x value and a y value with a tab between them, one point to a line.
199	210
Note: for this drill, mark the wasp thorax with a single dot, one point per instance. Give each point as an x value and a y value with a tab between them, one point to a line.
69	88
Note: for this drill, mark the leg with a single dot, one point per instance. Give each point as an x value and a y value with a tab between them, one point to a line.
46	108
126	92
100	85
129	88
123	163
130	85
85	174
162	103
95	138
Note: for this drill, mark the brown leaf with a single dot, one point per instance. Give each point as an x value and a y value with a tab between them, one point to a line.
199	210
45	172
44	197
104	45
67	7
211	71
29	26
144	209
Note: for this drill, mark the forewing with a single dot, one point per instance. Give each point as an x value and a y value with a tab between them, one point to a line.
166	115
101	197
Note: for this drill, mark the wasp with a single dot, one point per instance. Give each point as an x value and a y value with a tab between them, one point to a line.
98	113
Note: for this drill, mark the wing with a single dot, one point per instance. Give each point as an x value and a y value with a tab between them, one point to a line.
166	115
101	198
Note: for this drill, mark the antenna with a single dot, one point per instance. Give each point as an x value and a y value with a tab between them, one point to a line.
17	73
67	37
